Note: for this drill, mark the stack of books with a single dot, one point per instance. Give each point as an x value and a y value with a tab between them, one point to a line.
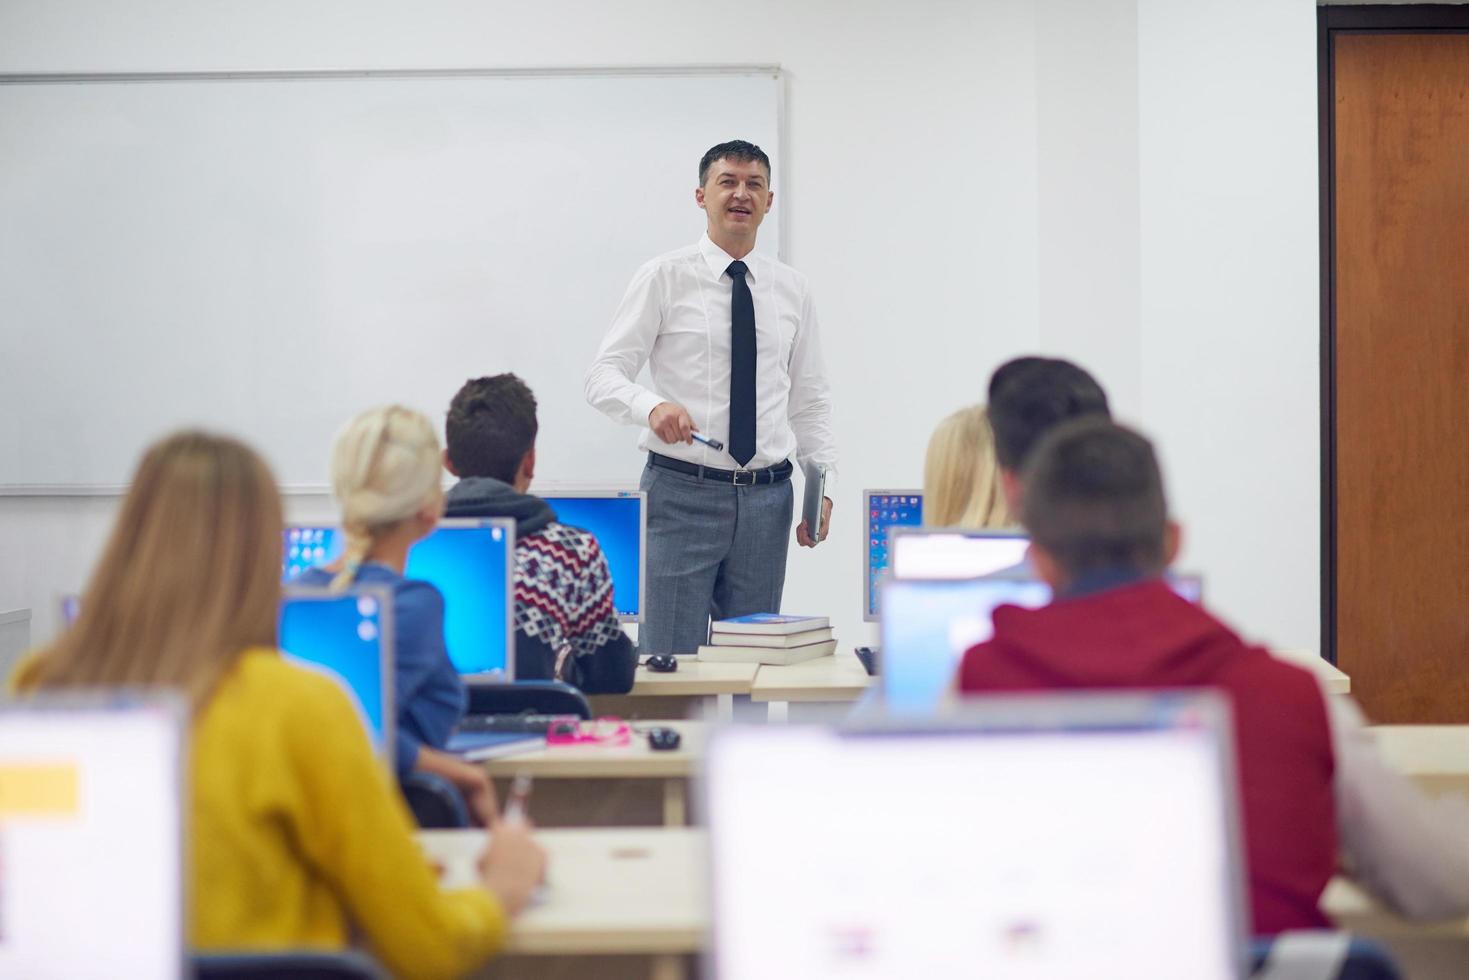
769	638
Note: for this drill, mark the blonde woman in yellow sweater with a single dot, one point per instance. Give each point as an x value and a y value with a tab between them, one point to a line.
961	480
298	837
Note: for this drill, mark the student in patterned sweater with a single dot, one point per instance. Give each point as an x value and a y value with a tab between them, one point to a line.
565	626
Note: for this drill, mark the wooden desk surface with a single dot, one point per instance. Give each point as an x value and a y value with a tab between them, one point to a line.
1336	681
632	761
694	677
839	677
608	891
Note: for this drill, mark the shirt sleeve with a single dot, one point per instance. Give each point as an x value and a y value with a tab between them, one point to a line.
810	400
609	385
1410	850
367	850
420	655
606	661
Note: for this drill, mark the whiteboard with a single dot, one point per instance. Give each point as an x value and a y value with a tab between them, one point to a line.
267	255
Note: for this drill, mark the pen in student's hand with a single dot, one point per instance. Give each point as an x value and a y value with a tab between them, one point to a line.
714	444
519	796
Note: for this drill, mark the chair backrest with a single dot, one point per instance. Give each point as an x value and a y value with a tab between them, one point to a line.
1319	955
528	698
435	802
301	965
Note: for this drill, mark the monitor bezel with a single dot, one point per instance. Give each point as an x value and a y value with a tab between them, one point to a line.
599	493
387	648
869	604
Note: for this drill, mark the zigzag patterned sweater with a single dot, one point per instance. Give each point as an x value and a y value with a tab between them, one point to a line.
565	626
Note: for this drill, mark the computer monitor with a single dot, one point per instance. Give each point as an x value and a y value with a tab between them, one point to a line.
618	519
928	624
349	635
885	510
91	838
1086	835
954	552
472	562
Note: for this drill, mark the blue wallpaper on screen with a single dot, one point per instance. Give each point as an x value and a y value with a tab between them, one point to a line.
616	523
467	564
343	635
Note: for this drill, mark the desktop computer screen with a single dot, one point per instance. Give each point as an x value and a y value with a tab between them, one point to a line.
954	552
959	851
472	562
618	520
928	624
885	510
91	838
349	635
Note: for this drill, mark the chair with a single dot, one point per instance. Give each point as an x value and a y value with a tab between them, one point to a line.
527	698
1320	954
297	965
435	802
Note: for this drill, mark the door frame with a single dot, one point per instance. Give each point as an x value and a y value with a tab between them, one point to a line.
1420	18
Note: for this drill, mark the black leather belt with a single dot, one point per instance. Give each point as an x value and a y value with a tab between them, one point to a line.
778	473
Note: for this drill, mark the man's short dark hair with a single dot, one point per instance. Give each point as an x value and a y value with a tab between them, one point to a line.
1094	498
1031	395
492	425
736	150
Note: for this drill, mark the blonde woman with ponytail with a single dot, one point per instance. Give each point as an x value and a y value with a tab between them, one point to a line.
297	835
961	480
385	469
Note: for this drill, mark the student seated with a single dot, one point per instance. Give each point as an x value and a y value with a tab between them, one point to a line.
1028	397
1308	778
565	625
385	475
298	837
961	483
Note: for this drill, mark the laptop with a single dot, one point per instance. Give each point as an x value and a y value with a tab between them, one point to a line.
884	510
348	635
928	624
618	519
1028	837
470	561
91	837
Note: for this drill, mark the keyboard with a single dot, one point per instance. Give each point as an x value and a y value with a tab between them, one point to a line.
514	724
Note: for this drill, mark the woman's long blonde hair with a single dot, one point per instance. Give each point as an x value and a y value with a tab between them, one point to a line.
961	480
385	468
189	578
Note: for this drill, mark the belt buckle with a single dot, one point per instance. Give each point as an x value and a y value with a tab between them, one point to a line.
743	483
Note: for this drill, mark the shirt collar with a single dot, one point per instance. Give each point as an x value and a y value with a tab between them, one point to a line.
1102	579
718	259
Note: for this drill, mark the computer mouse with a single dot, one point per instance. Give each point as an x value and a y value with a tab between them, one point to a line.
663	663
663	739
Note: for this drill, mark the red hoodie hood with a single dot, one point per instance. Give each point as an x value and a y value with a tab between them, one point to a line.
1136	635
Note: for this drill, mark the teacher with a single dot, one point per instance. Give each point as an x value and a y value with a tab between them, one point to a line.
731	341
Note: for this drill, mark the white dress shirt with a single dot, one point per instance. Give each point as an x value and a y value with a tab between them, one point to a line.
676	318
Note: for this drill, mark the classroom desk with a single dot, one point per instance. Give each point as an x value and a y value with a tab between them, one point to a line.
617	902
839	677
1335	680
1435	756
1422	950
676	694
598	785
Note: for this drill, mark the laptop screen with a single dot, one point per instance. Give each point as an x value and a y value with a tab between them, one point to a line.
349	635
966	853
955	553
616	520
91	852
886	509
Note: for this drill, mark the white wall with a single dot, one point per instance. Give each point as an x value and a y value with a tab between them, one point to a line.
1128	182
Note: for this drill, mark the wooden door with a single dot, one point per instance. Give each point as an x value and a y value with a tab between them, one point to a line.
1401	385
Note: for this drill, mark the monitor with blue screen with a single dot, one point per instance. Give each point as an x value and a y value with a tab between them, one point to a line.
472	564
618	520
928	624
884	510
350	635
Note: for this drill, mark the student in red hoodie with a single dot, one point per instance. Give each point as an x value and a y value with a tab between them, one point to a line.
1309	780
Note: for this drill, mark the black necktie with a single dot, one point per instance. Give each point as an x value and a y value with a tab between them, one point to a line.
741	367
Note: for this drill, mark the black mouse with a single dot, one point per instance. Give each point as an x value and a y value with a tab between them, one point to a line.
663	663
663	739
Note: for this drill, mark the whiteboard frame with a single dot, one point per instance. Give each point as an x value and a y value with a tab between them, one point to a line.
782	160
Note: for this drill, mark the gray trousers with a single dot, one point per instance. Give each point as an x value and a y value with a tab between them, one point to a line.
714	550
